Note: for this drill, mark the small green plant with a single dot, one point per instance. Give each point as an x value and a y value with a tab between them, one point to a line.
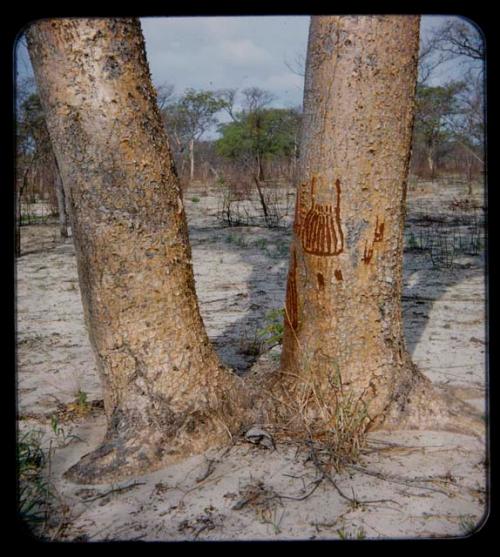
344	534
34	219
61	436
81	402
195	199
54	425
467	524
261	243
34	490
238	241
272	333
412	242
250	347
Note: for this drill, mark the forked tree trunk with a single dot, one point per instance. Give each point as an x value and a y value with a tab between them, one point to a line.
165	391
344	350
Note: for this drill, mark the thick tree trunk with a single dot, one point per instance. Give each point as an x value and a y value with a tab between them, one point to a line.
165	392
344	351
61	203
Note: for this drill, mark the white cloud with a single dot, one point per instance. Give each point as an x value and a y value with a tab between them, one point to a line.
223	52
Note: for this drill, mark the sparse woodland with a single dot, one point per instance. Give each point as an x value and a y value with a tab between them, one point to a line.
121	166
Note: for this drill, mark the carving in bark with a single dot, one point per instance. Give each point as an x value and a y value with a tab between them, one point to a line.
358	117
291	294
319	227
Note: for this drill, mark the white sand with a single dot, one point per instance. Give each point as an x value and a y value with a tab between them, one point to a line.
428	484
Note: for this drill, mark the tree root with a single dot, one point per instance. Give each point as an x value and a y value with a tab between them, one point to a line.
132	448
420	405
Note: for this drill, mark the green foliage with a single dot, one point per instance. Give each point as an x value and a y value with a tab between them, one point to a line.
267	132
438	112
81	401
272	332
32	132
34	490
347	535
192	114
468	523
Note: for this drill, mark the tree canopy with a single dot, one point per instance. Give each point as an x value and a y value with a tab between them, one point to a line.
266	132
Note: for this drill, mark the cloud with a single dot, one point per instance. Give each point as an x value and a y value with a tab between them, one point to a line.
227	52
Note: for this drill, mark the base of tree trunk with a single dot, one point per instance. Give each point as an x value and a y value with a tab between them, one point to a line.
133	447
290	409
418	404
117	458
298	409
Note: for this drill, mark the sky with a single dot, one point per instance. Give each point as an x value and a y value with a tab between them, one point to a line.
232	52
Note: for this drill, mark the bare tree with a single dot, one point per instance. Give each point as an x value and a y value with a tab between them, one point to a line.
164	95
459	38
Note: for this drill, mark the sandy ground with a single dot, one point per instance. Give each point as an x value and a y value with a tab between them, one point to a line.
408	484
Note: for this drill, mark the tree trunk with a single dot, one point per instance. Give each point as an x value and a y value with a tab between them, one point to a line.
18	221
430	163
343	349
61	202
191	159
166	393
260	168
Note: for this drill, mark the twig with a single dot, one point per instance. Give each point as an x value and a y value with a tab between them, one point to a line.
115	490
352	501
401	481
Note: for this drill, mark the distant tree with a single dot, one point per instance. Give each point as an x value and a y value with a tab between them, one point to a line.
436	108
254	136
35	152
458	38
258	133
188	118
164	95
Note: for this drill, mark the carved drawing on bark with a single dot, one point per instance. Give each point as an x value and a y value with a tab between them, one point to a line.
320	229
291	294
378	236
321	281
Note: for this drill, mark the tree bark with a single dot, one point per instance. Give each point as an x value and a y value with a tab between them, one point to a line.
61	202
166	393
343	348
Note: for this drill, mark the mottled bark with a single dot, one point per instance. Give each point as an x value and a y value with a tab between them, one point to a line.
61	202
344	348
165	391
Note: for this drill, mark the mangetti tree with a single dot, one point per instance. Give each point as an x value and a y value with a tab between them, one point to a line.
344	351
165	391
